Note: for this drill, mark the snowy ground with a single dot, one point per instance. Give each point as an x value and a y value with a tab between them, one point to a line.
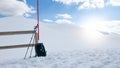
92	58
68	46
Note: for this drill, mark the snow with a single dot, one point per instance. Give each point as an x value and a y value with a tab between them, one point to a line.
70	59
67	45
15	23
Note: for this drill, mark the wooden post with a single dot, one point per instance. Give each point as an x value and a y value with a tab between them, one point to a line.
18	33
15	46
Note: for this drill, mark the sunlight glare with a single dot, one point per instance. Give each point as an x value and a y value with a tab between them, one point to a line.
92	28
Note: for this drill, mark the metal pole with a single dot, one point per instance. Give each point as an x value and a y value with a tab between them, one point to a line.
38	19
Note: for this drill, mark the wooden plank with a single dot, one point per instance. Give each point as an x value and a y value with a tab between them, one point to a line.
16	32
16	46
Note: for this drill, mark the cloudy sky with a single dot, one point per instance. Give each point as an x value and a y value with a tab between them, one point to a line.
104	14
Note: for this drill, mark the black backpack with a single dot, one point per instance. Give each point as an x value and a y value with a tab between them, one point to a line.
40	50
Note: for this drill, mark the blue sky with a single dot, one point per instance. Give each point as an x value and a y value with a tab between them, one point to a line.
65	11
50	8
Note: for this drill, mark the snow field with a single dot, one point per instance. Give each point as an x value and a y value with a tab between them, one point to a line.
91	58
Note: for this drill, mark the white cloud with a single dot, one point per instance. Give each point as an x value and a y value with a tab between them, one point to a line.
69	2
115	2
14	8
83	4
92	4
63	21
25	1
47	20
103	26
114	26
111	26
66	16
